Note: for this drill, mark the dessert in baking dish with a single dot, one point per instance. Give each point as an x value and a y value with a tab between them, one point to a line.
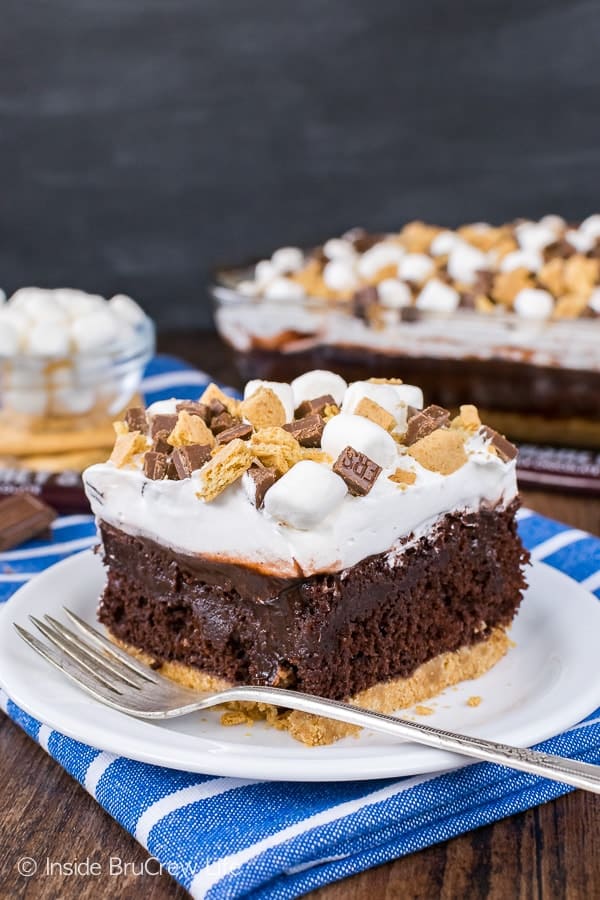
504	317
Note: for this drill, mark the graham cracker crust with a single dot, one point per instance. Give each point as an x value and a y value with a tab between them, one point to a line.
429	680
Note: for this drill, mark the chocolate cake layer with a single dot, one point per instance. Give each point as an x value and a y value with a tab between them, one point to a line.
333	634
494	384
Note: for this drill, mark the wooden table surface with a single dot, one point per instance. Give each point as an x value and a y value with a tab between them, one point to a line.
549	852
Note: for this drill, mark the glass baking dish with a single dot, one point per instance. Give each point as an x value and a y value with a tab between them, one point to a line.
535	380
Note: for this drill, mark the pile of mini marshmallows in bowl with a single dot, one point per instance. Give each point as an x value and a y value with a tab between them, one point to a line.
58	348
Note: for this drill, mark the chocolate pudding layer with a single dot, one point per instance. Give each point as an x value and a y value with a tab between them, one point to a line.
334	635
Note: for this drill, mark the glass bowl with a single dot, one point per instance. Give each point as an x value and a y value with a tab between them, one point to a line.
59	404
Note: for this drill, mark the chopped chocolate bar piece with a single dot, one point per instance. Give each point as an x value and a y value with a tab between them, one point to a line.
364	300
410	314
161	442
263	478
241	430
425	421
358	471
316	406
505	450
195	409
216	407
222	422
189	458
155	465
136	419
22	517
308	430
162	422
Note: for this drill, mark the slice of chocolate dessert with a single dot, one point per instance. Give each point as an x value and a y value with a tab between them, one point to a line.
334	539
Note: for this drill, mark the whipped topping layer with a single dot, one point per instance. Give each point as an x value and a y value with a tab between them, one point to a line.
407	470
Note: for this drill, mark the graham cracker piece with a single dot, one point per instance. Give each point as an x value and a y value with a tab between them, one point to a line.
331	410
190	430
276	448
315	454
417	236
468	418
505	245
126	447
482	238
508	284
551	276
570	306
580	274
441	451
389	271
385	381
264	409
403	476
376	413
120	427
483	304
213	392
227	465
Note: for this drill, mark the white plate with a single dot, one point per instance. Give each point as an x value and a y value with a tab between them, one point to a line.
546	683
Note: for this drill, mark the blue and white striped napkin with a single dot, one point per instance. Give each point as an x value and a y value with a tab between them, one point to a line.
227	837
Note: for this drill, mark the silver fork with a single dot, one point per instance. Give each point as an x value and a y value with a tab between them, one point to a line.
115	678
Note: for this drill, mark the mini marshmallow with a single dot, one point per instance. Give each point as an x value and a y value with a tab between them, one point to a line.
9	338
410	394
339	275
78	303
522	259
16	318
288	259
25	297
393	294
48	339
556	223
38	305
581	240
438	297
465	261
284	289
95	330
127	309
280	388
415	267
305	495
594	301
163	407
395	398
363	435
385	253
249	288
531	303
338	248
318	383
591	226
534	236
444	242
265	271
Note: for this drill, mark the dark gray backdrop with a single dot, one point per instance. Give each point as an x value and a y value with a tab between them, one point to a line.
141	141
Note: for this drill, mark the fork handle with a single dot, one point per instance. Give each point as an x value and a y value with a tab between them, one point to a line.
558	768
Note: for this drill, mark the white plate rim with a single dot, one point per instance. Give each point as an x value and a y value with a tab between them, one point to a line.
298	764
